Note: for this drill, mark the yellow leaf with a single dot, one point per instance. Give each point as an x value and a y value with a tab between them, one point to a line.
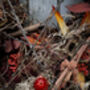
81	79
61	22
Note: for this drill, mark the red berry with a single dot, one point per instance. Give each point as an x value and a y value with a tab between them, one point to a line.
41	84
83	69
86	73
79	69
83	64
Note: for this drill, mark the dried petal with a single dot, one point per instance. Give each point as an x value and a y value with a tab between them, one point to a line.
11	44
16	44
79	8
61	22
8	46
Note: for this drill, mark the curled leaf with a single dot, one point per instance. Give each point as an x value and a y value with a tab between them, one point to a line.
61	22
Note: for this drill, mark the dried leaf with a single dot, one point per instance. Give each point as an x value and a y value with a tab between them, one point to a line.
61	22
16	44
86	18
79	8
8	46
81	79
11	44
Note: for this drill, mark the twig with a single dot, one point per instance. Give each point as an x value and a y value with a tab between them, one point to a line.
19	24
5	70
19	72
67	71
5	27
27	29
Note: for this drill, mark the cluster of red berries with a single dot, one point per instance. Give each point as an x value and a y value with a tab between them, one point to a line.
83	68
12	61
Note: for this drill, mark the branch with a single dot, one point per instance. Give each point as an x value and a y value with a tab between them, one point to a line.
19	24
67	70
27	29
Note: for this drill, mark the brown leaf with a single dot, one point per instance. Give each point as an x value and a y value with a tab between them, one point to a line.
8	46
16	44
79	8
11	45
